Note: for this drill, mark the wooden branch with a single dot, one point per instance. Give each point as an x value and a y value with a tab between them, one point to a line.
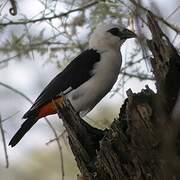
140	142
128	150
83	139
24	22
165	64
171	26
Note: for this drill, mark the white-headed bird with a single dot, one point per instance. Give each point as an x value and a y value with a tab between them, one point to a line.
85	80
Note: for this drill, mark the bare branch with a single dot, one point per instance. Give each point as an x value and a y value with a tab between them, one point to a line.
138	76
9	117
54	139
49	18
4	143
16	91
47	121
59	147
172	13
173	27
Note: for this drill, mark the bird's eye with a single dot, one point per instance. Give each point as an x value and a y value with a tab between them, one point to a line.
114	31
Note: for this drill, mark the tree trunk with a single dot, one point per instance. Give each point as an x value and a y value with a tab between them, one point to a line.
142	142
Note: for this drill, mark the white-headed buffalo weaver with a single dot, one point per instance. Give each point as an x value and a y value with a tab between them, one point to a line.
86	80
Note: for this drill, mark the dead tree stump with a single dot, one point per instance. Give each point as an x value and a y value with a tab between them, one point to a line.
137	146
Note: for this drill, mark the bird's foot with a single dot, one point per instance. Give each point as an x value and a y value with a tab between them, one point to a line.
59	101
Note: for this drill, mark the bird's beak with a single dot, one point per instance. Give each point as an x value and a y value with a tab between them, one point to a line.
126	34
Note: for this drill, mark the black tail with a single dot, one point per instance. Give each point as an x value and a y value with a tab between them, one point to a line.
23	130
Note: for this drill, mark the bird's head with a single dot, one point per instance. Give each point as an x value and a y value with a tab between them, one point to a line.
109	36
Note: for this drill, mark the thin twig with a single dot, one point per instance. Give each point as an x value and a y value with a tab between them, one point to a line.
170	15
59	147
176	35
49	18
47	121
16	91
173	27
6	60
129	64
4	143
138	76
54	139
9	117
28	49
30	40
3	5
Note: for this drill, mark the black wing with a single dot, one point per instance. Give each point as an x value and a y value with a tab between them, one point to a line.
75	74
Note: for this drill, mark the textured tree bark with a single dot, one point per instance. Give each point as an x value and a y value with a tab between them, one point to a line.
140	142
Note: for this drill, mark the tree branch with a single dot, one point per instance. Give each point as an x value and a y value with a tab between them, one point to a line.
138	76
51	17
176	29
83	138
4	143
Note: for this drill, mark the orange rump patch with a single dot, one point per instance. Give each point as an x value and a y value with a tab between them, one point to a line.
49	109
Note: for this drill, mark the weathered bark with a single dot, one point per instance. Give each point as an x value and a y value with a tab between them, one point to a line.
136	146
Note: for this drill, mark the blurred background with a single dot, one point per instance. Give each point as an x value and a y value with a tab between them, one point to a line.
38	39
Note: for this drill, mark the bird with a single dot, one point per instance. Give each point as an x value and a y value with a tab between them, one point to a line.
85	80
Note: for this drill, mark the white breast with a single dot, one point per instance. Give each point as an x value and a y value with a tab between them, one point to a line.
105	74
